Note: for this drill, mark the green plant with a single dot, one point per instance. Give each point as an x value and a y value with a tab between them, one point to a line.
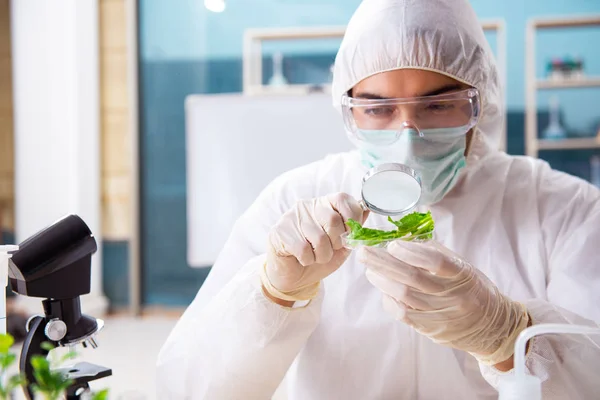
7	359
101	395
412	226
52	384
49	384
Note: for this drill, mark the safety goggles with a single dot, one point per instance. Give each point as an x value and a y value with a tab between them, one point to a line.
431	117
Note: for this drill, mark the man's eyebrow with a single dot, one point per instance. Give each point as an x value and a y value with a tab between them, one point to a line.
444	89
369	96
441	90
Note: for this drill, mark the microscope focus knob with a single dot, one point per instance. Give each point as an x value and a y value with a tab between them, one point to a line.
55	329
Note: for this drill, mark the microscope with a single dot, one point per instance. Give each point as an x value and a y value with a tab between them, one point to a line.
55	265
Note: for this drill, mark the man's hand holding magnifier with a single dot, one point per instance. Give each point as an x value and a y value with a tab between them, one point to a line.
305	247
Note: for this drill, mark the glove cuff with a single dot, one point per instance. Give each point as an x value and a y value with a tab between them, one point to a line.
507	348
303	293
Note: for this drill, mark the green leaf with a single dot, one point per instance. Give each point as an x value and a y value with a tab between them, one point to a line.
6	360
410	221
39	363
15	381
68	356
42	379
58	381
41	372
412	226
63	383
101	395
354	226
397	223
6	342
357	232
47	346
51	384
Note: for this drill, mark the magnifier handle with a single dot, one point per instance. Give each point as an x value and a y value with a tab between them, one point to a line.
363	205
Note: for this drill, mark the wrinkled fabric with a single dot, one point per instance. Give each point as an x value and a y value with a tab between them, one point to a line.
533	231
443	297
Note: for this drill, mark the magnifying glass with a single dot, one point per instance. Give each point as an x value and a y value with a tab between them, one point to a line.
390	189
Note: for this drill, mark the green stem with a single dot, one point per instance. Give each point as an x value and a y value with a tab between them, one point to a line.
424	228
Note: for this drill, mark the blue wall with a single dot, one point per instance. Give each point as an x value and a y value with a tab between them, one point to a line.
186	49
185	30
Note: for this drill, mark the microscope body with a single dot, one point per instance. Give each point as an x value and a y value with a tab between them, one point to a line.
55	265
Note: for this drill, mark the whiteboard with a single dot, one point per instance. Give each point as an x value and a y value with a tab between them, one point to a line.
236	145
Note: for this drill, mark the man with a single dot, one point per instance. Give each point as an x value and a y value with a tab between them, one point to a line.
516	244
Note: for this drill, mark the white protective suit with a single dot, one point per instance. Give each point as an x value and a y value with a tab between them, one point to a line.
533	231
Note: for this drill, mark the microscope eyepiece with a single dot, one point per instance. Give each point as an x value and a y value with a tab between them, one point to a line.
55	262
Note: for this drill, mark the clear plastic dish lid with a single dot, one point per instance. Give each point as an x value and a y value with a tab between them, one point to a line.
390	189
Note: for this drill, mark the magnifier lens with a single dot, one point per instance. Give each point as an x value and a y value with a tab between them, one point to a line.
391	189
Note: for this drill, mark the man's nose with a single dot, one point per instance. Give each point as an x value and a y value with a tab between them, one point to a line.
405	117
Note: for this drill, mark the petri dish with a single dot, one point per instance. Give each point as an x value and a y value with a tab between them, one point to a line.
351	244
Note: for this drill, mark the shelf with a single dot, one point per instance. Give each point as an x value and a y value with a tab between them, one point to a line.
292	89
295	33
328	31
566	22
492	24
532	84
586	82
568	144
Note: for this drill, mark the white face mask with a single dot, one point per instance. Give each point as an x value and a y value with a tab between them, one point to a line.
437	156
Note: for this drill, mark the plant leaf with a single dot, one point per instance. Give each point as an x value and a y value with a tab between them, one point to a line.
354	226
68	356
101	395
41	372
39	363
63	383
47	346
6	360
409	227
410	221
6	342
15	381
